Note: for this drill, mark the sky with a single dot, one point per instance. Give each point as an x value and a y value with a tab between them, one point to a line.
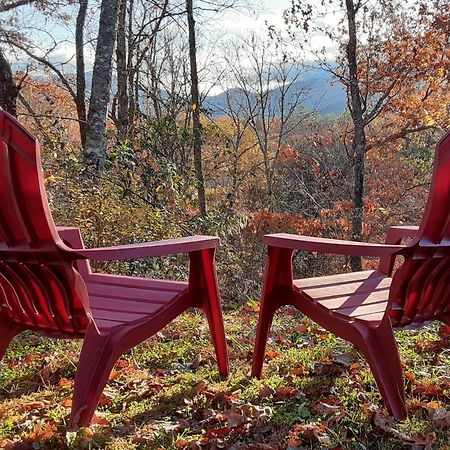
231	24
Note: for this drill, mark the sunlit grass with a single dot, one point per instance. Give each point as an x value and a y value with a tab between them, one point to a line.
167	393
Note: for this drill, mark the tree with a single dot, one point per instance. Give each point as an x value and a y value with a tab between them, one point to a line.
270	95
95	148
22	43
367	33
195	102
80	96
8	88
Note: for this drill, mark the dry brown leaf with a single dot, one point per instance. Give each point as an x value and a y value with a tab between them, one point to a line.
325	409
234	418
43	431
384	423
200	387
266	391
198	361
100	421
299	370
30	406
285	392
440	417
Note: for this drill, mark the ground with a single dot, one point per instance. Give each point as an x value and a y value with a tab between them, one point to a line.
317	392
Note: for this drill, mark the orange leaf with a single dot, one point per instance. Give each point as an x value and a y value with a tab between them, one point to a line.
271	354
97	420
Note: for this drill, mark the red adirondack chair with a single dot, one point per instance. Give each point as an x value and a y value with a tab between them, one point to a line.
46	284
363	307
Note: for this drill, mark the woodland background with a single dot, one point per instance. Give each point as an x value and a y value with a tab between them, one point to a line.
136	147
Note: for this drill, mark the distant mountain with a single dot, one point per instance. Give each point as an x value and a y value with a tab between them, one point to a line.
324	96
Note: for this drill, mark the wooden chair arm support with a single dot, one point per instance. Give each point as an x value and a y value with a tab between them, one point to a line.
330	246
145	250
396	233
71	235
394	236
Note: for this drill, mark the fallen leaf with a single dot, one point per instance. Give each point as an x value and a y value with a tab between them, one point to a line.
384	424
285	392
444	331
300	370
200	387
43	431
198	361
272	354
121	363
325	409
266	391
219	432
64	382
427	388
100	421
440	417
234	418
30	406
114	374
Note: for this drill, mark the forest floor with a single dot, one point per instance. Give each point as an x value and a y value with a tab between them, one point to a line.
317	392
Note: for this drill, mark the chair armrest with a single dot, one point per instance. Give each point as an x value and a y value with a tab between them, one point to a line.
145	250
332	246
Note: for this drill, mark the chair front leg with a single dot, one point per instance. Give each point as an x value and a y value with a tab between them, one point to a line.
8	330
203	285
98	356
278	281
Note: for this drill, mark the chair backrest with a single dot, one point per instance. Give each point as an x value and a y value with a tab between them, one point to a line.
421	286
38	285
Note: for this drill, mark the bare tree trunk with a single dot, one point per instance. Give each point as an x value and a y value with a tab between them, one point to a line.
80	99
359	136
95	149
122	75
196	124
8	90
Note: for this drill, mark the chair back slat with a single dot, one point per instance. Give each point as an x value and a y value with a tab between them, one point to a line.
12	228
434	228
420	287
39	286
24	296
27	209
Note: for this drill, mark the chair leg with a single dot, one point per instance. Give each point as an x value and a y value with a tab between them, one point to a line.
381	352
217	332
98	356
213	309
7	332
266	313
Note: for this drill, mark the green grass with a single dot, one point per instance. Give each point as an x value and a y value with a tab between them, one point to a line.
317	392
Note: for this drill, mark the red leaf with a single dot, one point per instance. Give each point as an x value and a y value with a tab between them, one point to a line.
444	331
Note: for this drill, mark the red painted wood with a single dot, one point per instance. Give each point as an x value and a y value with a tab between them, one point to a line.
363	307
46	282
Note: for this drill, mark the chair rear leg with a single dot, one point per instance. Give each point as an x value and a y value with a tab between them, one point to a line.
7	332
98	356
381	351
266	313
